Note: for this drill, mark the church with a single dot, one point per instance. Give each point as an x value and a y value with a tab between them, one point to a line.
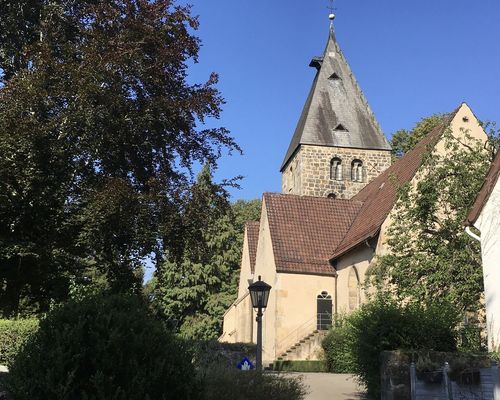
317	239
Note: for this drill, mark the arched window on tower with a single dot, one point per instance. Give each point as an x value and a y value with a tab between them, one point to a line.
336	169
357	171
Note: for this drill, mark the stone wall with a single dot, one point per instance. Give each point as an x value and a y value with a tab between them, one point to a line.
308	173
437	375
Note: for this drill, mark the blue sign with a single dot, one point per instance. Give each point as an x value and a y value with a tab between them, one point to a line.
245	365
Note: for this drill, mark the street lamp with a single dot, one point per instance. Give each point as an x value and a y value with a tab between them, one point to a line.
259	293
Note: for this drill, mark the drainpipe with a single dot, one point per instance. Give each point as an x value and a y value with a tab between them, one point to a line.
472	234
336	279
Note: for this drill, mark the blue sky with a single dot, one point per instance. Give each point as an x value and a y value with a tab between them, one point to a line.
411	58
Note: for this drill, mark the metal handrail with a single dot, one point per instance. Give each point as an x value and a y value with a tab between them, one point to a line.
301	332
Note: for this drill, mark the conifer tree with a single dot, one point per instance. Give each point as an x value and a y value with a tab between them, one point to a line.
194	290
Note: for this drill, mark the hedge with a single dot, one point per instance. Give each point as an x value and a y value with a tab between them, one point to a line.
300	366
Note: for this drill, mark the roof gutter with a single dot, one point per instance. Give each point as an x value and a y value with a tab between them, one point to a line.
472	234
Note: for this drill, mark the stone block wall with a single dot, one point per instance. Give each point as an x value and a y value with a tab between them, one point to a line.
308	173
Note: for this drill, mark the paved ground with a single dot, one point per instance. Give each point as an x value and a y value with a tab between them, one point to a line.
331	386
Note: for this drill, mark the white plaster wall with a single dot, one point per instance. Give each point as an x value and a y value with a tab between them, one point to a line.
489	225
266	268
296	306
245	271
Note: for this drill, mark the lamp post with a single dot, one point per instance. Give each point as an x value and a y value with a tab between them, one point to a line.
259	293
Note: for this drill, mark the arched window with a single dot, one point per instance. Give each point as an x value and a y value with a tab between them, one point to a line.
336	169
357	171
353	287
324	309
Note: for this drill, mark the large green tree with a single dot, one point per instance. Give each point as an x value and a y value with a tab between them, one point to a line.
99	129
431	257
193	289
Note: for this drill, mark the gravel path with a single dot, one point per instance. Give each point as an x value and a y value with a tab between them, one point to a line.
323	386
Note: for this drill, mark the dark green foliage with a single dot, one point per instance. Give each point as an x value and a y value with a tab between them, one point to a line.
195	288
232	384
403	141
300	366
431	257
13	335
102	347
384	324
99	131
337	346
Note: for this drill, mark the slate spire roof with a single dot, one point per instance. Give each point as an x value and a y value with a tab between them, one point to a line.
336	112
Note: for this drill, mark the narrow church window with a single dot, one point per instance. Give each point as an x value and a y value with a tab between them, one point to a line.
353	287
334	77
341	127
324	311
336	169
357	171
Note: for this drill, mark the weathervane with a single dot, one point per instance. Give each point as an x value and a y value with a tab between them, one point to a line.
332	15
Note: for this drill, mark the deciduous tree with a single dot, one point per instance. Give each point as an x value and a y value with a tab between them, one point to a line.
99	130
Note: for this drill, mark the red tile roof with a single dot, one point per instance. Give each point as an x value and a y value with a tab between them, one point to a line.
252	228
380	195
304	230
485	191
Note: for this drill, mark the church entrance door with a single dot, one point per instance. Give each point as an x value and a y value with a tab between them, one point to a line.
324	307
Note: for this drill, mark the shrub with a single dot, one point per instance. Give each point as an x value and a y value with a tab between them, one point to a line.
385	324
337	346
233	384
102	347
13	334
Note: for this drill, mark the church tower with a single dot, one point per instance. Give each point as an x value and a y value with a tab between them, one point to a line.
338	145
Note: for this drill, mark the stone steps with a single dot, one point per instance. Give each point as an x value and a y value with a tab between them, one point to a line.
305	348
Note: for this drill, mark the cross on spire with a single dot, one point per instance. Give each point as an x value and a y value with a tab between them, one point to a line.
331	8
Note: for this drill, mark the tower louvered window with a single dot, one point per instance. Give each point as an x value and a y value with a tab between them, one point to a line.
336	169
357	171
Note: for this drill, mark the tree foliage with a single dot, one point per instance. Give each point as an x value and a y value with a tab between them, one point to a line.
195	287
403	140
99	129
430	256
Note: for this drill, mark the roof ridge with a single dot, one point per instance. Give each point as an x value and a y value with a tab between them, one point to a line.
303	196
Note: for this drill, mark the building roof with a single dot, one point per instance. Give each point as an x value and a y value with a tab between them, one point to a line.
304	229
485	191
380	195
252	228
336	112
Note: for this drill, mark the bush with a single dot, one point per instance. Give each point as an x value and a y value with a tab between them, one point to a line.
233	384
300	366
337	346
384	324
13	334
102	347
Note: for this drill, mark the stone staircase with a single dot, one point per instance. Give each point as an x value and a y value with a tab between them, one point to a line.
307	348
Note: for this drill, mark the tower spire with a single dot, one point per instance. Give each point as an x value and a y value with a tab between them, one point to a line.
331	17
